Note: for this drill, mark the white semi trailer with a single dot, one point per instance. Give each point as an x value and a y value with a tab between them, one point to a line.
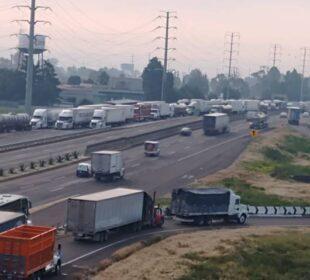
216	123
108	116
45	118
74	118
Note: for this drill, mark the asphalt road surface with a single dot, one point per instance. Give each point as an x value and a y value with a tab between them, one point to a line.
14	158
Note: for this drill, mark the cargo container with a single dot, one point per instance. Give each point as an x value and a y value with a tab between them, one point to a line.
45	118
93	216
74	118
216	123
107	165
142	112
27	252
202	206
10	220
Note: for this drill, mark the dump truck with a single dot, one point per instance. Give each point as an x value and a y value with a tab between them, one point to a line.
27	252
202	206
94	216
10	220
107	165
216	123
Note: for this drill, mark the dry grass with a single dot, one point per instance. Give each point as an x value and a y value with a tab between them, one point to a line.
170	259
253	153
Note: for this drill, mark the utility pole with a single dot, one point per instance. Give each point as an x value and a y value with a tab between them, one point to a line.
231	44
167	15
30	61
29	80
276	49
304	61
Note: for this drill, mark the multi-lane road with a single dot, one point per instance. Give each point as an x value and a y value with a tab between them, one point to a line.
183	160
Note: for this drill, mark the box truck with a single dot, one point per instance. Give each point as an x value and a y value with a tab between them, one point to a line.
107	165
108	116
128	111
93	216
161	110
45	118
27	252
74	118
294	115
216	123
202	206
9	220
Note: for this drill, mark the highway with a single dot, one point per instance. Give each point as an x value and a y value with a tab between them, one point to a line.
14	158
183	160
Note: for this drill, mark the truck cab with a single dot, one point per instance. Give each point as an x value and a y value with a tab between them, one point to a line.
39	119
65	120
151	148
98	120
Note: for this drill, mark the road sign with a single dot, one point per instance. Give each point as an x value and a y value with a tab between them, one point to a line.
254	133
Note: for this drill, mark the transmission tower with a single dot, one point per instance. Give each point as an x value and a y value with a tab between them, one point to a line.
275	54
31	37
231	51
167	15
305	52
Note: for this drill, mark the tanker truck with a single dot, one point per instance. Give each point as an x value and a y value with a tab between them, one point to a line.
18	122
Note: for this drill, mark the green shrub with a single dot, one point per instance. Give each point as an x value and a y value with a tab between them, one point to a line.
12	170
296	144
50	161
275	155
288	171
1	172
265	167
42	163
32	165
22	167
59	159
76	154
67	157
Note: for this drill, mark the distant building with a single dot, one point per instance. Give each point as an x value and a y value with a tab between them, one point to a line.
117	89
128	69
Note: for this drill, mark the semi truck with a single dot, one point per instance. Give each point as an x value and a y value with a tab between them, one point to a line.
94	216
15	203
74	118
294	115
27	252
237	106
142	112
216	123
17	122
202	206
107	165
128	111
199	106
160	110
108	116
179	110
9	220
45	118
259	121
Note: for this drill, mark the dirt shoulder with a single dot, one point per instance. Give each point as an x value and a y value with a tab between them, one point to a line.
271	185
171	258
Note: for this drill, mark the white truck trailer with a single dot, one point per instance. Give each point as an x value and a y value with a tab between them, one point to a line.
128	111
251	105
108	116
160	109
202	206
93	216
74	118
107	165
216	123
237	106
198	107
45	118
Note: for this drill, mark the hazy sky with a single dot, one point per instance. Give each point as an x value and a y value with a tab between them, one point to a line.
99	33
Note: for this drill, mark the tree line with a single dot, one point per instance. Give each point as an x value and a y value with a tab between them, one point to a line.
264	84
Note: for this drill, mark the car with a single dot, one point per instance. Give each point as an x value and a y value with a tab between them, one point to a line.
186	131
84	170
283	115
306	115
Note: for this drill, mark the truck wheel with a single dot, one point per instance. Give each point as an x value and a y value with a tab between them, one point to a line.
242	219
200	222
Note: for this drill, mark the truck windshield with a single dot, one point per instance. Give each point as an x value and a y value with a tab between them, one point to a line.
97	118
37	117
65	119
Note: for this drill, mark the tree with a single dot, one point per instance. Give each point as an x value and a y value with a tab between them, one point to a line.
85	102
103	78
12	85
187	92
45	90
74	80
152	79
292	85
218	85
196	80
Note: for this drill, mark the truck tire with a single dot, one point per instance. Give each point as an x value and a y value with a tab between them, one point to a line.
242	219
199	221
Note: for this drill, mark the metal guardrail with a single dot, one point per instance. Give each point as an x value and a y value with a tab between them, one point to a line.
278	211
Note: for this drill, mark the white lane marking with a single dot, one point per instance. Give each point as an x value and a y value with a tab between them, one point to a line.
187	147
212	147
135	165
171	153
58	189
123	241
